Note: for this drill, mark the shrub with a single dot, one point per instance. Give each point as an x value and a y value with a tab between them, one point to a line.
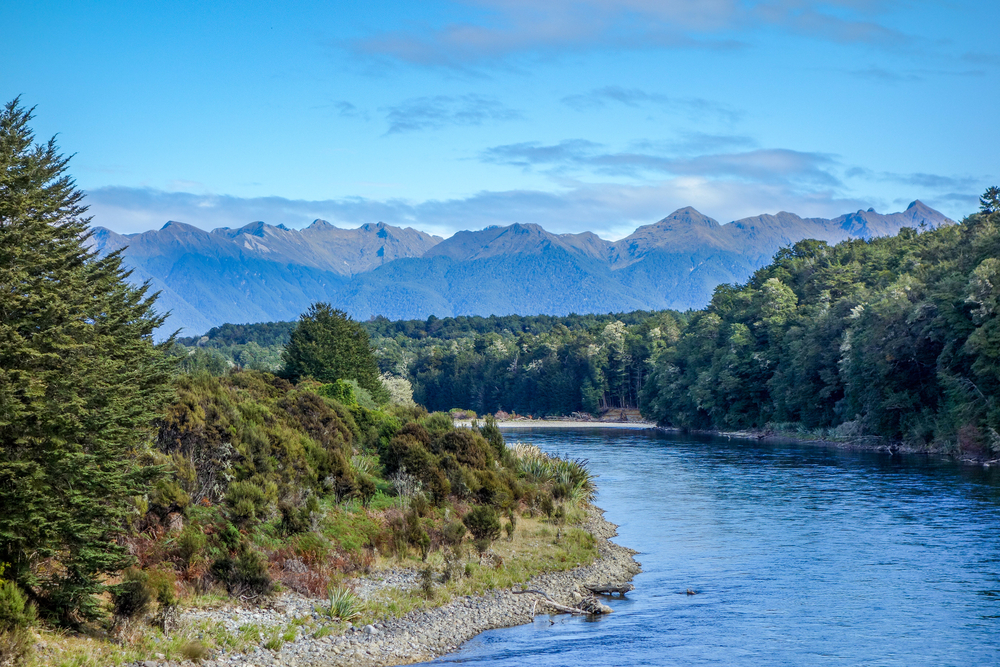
427	582
132	597
312	548
366	489
162	585
469	448
438	422
454	532
492	489
509	529
491	432
230	537
168	496
247	501
483	523
194	651
189	544
546	505
15	611
16	616
439	485
482	544
245	575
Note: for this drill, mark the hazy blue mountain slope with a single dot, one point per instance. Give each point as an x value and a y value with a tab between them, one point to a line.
554	281
683	280
261	272
258	272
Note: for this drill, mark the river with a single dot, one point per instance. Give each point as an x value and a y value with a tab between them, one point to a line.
799	555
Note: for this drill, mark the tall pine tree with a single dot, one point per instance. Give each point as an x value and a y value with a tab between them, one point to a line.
80	382
327	345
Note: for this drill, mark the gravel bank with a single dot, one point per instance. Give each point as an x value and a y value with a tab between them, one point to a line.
420	635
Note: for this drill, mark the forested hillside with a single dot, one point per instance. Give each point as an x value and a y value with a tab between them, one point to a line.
894	337
539	364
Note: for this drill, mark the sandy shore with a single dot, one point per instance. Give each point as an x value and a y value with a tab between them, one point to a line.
427	634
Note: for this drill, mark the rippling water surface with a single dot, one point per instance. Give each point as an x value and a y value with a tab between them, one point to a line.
800	555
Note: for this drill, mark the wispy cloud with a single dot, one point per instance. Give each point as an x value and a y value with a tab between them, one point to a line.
533	154
924	181
883	75
774	165
696	143
347	109
499	29
432	113
609	209
635	97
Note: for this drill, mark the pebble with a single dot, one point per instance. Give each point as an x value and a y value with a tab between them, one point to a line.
419	635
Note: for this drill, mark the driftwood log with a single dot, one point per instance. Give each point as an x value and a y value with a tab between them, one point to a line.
609	589
555	605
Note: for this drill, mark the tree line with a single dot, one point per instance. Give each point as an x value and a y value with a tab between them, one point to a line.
537	364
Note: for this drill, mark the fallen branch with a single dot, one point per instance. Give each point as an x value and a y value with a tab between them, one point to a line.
555	605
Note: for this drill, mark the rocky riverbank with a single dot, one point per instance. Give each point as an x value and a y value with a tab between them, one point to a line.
420	635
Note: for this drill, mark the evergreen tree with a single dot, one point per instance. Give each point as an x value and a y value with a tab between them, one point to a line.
80	380
327	345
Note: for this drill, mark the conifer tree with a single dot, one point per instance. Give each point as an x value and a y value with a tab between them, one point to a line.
327	345
80	381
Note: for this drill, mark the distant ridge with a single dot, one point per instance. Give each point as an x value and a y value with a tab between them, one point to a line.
262	272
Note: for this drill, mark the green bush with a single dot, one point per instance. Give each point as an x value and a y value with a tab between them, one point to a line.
15	611
294	519
491	432
162	585
312	548
366	489
469	448
438	423
190	543
16	617
483	523
244	575
248	501
453	533
132	597
230	537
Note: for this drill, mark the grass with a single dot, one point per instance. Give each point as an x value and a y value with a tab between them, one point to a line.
351	530
532	551
59	649
537	545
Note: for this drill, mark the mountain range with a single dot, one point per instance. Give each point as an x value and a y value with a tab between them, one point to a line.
261	272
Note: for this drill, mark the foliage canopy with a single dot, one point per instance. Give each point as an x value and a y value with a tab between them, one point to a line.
327	345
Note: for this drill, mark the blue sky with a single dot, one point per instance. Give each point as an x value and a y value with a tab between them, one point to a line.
574	114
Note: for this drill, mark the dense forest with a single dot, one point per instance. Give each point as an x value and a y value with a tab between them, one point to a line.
894	337
538	365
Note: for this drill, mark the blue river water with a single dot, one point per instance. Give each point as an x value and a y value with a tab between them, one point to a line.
800	555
